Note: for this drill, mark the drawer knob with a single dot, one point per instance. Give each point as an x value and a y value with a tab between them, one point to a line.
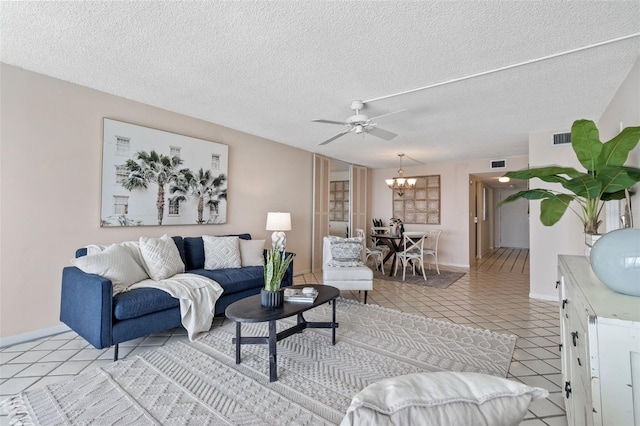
567	388
564	303
574	337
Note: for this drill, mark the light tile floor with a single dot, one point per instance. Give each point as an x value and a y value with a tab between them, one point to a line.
483	298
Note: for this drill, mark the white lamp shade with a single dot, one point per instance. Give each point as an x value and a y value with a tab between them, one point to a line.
278	221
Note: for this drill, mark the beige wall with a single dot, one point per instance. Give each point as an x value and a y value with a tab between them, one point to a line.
453	248
567	236
50	173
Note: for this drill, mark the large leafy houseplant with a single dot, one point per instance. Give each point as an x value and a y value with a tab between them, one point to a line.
275	266
606	177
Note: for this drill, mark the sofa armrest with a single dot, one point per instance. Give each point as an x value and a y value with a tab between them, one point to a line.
86	306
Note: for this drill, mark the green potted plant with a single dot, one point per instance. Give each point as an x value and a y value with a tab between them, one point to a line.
275	266
606	177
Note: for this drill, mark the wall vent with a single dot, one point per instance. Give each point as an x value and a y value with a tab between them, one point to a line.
498	164
561	138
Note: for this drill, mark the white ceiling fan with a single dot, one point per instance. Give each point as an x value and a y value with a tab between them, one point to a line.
360	123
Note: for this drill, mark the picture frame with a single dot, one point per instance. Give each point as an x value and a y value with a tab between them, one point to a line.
151	177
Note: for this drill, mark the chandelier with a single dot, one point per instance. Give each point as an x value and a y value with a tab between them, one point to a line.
400	184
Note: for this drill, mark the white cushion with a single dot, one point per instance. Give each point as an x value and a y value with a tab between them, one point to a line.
221	252
346	252
114	263
442	398
251	252
133	247
161	257
335	273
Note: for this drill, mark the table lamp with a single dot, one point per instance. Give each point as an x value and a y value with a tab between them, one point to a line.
278	222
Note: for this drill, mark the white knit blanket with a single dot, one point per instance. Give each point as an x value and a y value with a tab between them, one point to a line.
198	296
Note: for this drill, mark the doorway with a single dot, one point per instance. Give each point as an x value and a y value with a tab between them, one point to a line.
513	222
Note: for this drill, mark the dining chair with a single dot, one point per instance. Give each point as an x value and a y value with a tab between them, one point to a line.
375	252
412	252
431	247
380	230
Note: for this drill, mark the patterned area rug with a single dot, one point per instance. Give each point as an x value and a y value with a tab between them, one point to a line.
199	382
435	280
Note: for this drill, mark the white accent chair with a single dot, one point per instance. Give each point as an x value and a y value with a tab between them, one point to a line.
431	247
413	251
358	278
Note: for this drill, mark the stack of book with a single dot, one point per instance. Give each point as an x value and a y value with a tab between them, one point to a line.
298	295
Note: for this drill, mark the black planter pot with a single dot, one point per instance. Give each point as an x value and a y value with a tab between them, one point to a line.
271	299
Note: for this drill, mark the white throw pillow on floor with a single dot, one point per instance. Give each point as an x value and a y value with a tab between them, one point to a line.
442	398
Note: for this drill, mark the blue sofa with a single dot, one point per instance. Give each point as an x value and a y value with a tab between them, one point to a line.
89	308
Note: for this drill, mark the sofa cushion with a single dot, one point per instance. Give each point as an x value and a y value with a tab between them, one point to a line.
233	280
252	252
161	257
142	301
194	251
114	263
221	252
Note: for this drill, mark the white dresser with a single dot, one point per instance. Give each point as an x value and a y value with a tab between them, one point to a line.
600	335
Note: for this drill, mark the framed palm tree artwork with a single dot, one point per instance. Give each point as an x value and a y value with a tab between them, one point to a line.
153	177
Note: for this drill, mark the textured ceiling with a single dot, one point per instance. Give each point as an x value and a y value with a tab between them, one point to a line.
269	68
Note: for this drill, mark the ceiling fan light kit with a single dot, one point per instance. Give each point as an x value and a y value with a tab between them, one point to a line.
400	184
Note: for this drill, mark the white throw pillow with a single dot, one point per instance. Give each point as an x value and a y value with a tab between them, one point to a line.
133	247
114	263
221	252
346	251
161	257
251	252
442	398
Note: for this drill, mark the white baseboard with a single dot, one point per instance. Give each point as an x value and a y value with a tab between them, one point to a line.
32	335
543	297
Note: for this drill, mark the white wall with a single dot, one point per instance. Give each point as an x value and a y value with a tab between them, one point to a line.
567	236
50	176
453	248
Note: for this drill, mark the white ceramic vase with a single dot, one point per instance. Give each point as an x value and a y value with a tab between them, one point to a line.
615	259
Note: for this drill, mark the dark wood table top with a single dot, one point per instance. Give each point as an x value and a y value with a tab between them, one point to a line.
249	309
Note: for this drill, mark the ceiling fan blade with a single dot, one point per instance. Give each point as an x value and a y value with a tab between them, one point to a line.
381	133
330	122
389	113
331	139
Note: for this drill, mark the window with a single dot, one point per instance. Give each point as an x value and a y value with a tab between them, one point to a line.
123	146
420	204
174	151
215	161
174	207
121	173
120	204
339	200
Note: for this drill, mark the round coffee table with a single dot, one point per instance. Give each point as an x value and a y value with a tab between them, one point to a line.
250	310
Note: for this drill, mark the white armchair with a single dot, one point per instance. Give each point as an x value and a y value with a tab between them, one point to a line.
346	277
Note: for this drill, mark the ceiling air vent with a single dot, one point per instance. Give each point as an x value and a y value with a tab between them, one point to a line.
498	164
561	138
